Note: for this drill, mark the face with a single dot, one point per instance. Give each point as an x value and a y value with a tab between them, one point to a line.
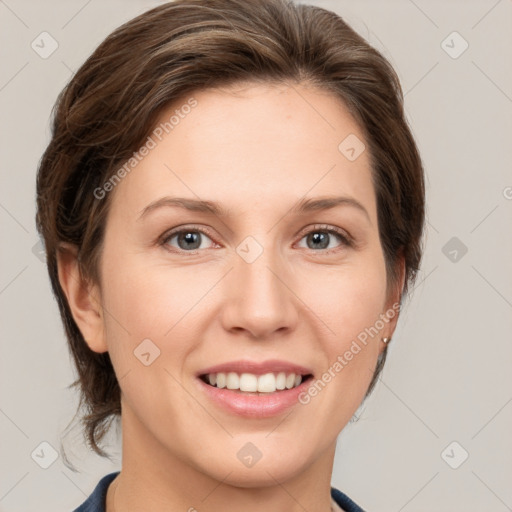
266	283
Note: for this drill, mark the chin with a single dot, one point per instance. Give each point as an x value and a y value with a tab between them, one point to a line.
261	475
275	463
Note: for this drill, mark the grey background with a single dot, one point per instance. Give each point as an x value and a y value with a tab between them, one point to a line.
448	376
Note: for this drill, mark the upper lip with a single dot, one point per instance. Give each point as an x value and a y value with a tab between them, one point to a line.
257	368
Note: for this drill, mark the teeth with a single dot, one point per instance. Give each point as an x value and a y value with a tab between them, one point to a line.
248	382
221	380
232	381
267	383
281	381
290	381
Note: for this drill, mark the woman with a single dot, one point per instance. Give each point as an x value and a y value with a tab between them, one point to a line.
271	138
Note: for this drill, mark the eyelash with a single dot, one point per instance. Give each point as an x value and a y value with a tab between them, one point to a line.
345	239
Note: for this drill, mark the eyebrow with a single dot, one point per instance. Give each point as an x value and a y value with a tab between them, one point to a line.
202	206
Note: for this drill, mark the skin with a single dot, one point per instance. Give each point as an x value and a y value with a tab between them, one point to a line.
257	149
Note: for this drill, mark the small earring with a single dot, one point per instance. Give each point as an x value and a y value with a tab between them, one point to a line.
386	340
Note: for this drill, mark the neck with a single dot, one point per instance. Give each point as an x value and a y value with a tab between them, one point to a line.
154	479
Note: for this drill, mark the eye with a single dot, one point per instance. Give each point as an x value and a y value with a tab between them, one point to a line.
187	239
320	237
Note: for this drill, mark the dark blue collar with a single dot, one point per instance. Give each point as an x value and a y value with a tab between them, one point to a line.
96	501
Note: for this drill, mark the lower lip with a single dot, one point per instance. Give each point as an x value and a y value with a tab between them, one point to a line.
252	405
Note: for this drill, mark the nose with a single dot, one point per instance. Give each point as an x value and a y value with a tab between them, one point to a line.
259	298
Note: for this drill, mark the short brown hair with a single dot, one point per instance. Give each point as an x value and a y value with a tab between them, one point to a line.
111	104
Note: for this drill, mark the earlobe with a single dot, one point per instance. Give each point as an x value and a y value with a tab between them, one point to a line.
83	298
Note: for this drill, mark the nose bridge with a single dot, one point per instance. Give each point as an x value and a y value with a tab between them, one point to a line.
260	302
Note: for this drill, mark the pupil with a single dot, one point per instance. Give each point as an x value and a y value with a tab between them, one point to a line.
190	238
320	237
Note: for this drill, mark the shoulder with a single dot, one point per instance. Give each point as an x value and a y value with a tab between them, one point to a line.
96	501
344	501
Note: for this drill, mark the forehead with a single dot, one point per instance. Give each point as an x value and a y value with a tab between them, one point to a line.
250	147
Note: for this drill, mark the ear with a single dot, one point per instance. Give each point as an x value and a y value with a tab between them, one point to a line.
83	298
392	307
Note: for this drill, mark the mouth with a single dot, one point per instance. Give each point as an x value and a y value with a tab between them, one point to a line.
253	384
254	391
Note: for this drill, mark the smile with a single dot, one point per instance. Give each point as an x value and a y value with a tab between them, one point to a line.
254	391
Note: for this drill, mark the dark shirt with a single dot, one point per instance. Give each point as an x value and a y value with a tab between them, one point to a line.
96	501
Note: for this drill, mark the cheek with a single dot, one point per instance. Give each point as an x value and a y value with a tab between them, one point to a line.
149	300
165	304
150	310
348	299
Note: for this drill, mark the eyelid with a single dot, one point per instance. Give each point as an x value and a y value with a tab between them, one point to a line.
345	237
